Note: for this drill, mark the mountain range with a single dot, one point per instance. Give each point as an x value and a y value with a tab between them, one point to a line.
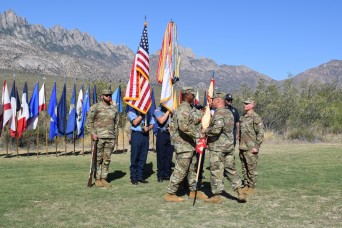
72	53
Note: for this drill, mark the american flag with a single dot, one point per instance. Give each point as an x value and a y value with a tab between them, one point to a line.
138	92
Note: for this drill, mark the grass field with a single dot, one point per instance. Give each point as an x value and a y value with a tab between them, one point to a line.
299	185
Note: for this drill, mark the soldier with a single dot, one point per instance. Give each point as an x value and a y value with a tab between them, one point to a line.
221	148
102	122
251	137
163	144
184	130
229	104
141	124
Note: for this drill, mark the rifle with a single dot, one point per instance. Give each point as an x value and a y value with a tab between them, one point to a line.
93	161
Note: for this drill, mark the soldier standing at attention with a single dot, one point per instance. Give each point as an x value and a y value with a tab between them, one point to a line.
251	137
163	144
102	122
221	148
184	130
141	124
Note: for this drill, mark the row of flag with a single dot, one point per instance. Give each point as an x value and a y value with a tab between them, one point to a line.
23	115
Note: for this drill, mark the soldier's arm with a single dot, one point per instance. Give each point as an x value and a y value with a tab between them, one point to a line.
259	130
215	127
90	120
185	125
116	123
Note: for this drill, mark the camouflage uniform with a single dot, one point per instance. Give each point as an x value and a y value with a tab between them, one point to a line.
184	132
251	136
221	147
103	121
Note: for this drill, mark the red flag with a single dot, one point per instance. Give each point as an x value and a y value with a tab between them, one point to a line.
42	103
7	110
201	145
24	114
138	92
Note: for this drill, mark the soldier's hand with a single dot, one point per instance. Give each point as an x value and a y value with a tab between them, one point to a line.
146	129
255	150
94	137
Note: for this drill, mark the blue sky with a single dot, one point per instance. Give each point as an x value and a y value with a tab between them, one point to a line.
272	37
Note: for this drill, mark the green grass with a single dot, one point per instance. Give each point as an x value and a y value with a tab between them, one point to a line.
299	185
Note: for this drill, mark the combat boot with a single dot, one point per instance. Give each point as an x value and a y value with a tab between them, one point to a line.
241	195
199	195
105	183
98	183
215	199
250	191
173	198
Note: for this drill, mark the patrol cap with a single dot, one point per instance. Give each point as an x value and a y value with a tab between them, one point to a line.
248	100
229	97
106	91
219	95
188	90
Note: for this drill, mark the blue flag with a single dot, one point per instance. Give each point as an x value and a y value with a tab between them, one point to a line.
116	98
61	113
52	111
85	109
205	99
34	108
71	125
94	95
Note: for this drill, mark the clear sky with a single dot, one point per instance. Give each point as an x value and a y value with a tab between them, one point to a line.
272	37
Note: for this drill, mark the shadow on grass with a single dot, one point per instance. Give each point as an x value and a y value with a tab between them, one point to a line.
148	170
117	174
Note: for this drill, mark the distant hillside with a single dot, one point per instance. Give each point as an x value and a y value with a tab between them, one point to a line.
60	52
330	72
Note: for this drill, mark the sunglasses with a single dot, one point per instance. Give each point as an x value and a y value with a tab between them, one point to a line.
107	95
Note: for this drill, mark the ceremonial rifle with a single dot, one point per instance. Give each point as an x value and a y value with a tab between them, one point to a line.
93	161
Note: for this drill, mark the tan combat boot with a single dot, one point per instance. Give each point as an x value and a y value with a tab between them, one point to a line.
98	183
241	195
173	198
215	199
250	191
105	183
199	195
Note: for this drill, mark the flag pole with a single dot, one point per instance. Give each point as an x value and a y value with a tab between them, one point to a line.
16	119
56	145
46	135
37	137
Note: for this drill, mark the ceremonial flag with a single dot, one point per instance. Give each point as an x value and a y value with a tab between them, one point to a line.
61	113
52	111
205	98
1	113
34	109
85	109
94	94
79	111
6	103
116	98
168	66
13	120
207	115
138	92
42	103
71	125
24	114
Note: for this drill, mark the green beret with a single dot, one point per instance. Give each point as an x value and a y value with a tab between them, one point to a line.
106	91
248	100
188	90
219	95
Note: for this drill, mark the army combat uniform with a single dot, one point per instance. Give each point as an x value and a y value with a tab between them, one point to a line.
221	147
251	136
184	131
103	121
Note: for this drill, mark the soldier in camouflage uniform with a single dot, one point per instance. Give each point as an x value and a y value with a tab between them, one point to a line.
102	122
184	130
220	141
251	137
